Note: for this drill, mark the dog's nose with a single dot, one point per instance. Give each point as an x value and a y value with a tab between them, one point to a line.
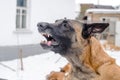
42	24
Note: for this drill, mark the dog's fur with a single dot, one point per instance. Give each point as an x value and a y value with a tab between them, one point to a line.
63	74
66	69
76	43
56	76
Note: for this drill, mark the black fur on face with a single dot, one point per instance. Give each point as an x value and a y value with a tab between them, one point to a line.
58	34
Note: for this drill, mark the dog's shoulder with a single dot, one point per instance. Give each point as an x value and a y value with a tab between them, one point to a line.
98	55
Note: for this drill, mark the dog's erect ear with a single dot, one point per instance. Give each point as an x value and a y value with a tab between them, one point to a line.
89	29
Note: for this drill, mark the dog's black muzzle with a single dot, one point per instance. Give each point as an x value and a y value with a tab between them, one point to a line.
42	26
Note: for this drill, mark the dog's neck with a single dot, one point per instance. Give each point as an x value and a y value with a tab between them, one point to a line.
76	57
86	61
79	69
97	55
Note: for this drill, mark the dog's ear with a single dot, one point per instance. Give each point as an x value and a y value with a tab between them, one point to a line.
89	29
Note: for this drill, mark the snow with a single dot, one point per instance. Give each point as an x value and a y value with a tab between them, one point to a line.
35	67
38	66
115	55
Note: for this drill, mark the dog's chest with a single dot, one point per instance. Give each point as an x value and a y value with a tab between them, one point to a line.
80	71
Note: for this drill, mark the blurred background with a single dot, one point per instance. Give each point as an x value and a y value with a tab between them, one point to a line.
19	37
19	20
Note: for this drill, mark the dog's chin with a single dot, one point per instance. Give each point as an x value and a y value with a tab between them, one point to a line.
54	48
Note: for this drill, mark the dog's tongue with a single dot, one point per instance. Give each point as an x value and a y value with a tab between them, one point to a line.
49	43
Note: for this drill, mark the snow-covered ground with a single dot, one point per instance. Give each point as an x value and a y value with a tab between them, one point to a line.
35	67
38	66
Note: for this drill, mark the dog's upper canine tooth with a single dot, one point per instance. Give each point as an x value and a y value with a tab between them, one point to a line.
48	35
43	33
43	41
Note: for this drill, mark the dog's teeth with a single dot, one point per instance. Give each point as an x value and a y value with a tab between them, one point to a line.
43	33
48	35
43	41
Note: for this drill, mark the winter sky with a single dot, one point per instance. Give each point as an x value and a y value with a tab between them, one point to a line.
102	2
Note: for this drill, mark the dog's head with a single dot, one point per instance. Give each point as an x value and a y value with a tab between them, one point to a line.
66	34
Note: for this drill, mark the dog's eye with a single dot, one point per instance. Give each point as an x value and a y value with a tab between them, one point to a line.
65	25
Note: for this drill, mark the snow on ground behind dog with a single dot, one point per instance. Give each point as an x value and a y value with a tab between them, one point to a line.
115	55
35	67
38	66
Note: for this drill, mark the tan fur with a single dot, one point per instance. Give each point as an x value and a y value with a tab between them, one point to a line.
56	76
89	60
64	74
67	68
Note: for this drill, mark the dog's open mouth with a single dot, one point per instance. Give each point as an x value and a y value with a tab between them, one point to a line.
50	40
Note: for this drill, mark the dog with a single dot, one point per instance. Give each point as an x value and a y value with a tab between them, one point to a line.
63	74
75	41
